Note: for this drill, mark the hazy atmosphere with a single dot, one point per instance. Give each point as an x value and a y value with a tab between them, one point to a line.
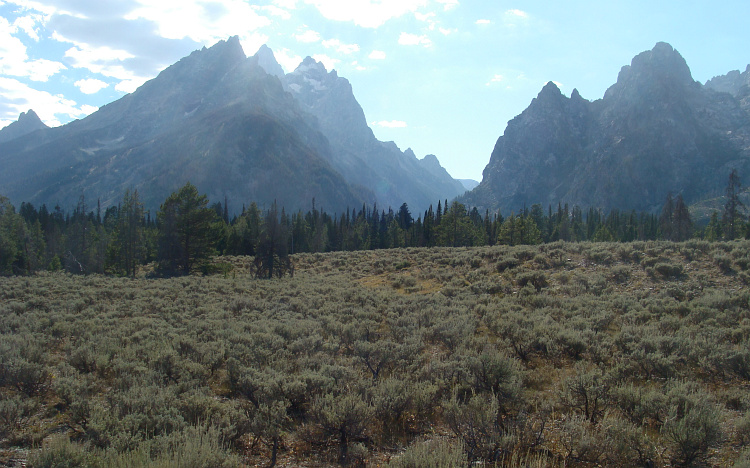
439	76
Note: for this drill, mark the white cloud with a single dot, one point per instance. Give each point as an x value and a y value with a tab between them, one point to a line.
287	60
128	86
390	124
28	24
413	39
328	62
495	79
341	47
86	109
91	85
366	13
273	10
515	18
14	61
483	21
253	41
288	4
448	4
17	97
203	21
517	13
377	55
308	36
108	62
446	32
358	67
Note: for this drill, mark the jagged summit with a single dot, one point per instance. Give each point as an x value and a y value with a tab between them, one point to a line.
655	131
311	66
735	83
267	61
27	122
657	71
220	120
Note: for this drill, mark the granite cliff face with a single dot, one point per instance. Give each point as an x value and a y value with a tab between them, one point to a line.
655	131
394	176
218	119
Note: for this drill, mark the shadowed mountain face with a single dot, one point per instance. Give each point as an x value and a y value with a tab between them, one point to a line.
215	118
655	131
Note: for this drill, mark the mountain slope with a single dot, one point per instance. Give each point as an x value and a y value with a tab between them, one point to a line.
655	131
237	127
394	176
215	118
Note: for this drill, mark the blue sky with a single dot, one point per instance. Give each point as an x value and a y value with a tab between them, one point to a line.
439	76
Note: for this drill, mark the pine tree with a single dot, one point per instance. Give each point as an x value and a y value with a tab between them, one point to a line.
732	217
126	251
666	219
186	234
682	224
272	257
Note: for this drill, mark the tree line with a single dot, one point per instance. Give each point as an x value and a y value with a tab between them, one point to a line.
187	231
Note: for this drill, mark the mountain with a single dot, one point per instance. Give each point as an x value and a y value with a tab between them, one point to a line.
394	176
735	83
655	131
216	118
469	184
28	122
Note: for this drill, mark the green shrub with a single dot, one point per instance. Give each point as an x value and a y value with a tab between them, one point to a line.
60	452
691	428
435	453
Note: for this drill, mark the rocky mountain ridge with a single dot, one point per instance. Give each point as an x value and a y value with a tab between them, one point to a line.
216	118
655	131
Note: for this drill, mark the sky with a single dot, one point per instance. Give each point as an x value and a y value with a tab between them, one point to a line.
442	77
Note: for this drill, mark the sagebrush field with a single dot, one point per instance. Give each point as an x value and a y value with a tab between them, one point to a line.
563	354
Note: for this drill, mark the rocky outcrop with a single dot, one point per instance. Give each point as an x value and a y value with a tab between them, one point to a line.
27	122
655	131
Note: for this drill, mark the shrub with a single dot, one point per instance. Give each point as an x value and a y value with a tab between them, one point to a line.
345	417
668	270
507	263
724	262
435	453
60	453
692	426
587	392
534	278
620	274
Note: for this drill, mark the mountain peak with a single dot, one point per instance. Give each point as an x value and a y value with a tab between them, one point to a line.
311	66
267	61
27	122
550	89
229	51
662	63
30	117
